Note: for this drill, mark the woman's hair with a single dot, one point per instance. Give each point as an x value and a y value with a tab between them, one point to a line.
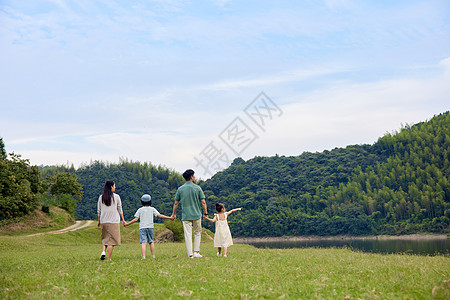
108	195
219	207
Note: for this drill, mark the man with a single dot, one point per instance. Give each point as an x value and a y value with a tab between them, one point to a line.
191	196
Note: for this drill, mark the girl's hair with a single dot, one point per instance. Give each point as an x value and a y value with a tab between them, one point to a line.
219	207
108	195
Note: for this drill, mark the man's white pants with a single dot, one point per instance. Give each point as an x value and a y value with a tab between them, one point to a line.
187	227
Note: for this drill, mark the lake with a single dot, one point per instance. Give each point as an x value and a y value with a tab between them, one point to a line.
385	246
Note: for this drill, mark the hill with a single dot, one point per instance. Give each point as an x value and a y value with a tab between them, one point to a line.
398	185
38	221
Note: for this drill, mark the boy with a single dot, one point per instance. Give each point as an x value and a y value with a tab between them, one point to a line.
145	214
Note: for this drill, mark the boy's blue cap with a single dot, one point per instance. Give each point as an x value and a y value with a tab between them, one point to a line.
146	198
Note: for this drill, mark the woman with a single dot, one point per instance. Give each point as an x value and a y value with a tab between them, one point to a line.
109	211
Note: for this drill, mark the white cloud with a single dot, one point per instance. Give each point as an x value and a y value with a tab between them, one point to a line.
270	80
221	3
158	80
337	4
338	114
446	64
353	114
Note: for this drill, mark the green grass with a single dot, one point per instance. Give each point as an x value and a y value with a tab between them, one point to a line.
67	266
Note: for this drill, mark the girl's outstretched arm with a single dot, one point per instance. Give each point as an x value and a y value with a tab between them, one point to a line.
233	210
209	219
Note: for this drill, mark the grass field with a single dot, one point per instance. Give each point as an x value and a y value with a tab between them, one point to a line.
67	266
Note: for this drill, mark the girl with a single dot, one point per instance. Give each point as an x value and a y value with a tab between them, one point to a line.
222	237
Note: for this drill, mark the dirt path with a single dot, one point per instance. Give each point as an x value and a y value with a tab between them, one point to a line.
76	226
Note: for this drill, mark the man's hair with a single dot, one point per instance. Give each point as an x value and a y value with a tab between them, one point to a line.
188	174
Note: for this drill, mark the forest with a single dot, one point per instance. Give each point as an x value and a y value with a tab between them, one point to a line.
132	179
398	185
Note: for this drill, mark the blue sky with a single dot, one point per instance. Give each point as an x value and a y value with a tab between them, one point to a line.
162	81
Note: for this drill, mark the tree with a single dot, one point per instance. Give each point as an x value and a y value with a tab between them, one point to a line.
20	187
2	149
66	183
65	189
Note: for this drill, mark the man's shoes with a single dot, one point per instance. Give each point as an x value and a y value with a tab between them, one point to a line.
102	257
197	255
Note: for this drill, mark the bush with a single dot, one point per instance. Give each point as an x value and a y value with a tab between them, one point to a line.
66	202
177	228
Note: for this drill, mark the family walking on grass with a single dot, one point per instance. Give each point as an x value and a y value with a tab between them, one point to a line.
192	199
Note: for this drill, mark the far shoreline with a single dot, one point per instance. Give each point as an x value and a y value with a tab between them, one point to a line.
416	236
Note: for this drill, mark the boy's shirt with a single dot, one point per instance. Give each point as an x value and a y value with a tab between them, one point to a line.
145	215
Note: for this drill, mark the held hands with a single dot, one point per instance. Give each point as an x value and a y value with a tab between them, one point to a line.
173	217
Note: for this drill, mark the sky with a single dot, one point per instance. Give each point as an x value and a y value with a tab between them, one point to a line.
195	84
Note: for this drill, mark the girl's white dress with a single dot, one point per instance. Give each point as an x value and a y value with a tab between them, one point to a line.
222	237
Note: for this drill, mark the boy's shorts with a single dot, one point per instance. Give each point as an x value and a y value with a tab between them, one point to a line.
145	235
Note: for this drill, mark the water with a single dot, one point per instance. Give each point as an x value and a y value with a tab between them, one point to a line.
419	246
